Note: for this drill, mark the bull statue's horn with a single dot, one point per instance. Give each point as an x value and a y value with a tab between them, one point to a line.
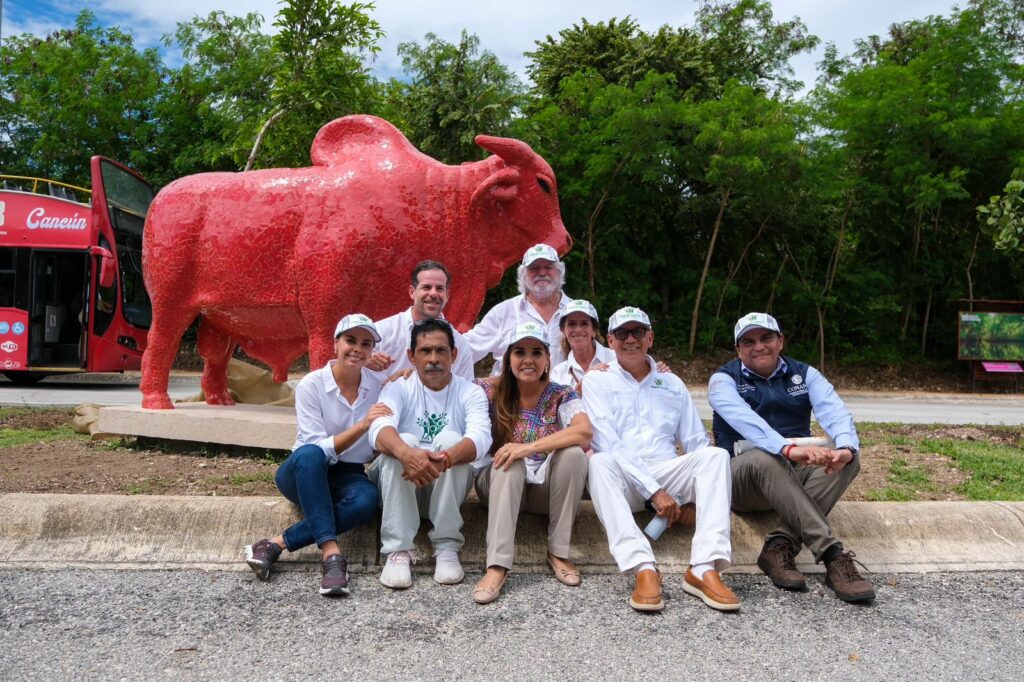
513	152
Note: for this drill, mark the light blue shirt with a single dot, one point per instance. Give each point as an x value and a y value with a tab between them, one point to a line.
829	411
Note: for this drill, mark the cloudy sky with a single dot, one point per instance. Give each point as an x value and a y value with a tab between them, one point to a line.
508	29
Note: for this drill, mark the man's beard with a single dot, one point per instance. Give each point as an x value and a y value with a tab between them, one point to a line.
543	289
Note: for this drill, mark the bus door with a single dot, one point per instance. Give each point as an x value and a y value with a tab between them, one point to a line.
57	294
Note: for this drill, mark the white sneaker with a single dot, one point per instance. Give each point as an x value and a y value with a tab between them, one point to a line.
397	574
448	568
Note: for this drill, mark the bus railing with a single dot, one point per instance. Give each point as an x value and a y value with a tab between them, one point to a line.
53	188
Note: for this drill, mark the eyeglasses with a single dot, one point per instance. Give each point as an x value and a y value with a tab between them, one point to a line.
637	333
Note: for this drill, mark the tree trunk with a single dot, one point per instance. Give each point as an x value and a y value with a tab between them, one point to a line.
707	266
775	284
970	280
927	316
259	138
736	268
591	246
821	337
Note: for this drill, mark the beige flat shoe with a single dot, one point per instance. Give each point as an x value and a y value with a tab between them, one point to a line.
485	595
567	576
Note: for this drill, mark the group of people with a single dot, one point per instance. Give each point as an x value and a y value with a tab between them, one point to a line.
398	422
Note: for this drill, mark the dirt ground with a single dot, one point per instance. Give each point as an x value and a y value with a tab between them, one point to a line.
74	464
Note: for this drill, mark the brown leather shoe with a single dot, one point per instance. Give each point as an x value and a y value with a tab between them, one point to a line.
647	592
711	590
777	560
849	585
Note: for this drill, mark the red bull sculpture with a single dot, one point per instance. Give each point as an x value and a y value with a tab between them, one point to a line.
272	259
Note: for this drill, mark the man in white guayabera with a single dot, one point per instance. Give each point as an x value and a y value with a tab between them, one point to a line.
540	300
438	426
638	416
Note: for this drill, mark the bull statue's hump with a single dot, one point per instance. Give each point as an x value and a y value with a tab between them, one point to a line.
351	137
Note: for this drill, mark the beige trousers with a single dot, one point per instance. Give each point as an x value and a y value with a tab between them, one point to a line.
506	492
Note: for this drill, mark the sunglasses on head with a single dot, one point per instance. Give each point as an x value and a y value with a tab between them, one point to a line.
637	333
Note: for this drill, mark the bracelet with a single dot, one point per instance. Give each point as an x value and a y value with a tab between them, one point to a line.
786	449
447	460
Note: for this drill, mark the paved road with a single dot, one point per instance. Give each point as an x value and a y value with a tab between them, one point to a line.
918	408
73	624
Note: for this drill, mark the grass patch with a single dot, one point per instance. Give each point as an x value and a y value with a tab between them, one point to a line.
10	438
996	471
258	477
902	474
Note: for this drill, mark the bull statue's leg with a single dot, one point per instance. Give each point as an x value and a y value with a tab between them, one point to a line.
165	332
215	347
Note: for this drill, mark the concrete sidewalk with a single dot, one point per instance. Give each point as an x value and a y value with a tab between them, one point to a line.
163	532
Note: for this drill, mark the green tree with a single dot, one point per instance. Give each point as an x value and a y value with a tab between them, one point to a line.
454	93
75	93
1003	216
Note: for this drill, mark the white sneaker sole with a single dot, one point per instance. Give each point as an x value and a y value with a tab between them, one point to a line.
261	570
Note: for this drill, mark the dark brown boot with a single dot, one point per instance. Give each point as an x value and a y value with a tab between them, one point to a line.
777	560
849	585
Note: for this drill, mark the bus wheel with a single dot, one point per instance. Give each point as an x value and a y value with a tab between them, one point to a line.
25	378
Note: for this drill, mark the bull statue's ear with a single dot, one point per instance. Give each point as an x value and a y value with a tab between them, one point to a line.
502	185
512	152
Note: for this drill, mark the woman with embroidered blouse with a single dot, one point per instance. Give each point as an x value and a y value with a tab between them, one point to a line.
538	464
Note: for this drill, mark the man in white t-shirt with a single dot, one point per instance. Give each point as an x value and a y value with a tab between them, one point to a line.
439	426
429	292
638	416
540	300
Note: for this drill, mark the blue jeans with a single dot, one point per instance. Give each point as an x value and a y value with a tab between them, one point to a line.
334	499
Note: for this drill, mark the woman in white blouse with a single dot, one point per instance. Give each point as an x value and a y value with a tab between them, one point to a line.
580	335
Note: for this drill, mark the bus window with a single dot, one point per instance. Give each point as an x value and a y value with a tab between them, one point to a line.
128	200
7	272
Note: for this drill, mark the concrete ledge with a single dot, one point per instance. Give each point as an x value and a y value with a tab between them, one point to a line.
155	532
258	426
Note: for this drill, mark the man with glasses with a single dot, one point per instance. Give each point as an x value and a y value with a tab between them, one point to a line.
639	416
541	300
429	293
438	426
762	403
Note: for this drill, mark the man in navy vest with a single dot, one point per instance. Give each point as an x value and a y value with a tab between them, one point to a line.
762	403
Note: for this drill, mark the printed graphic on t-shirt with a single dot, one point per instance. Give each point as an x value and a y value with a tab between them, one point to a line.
432	424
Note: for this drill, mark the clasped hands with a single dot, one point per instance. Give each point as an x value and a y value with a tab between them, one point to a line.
422	467
817	455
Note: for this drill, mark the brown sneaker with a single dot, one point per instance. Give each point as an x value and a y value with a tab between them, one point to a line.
777	560
647	592
711	590
849	585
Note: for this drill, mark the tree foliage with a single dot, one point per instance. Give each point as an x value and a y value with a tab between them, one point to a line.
693	179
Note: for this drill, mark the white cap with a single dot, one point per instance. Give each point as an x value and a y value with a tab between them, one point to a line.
628	314
356	320
580	305
528	330
538	251
754	321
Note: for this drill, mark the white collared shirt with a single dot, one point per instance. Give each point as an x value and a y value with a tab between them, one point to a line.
570	373
322	412
490	335
394	340
461	406
641	421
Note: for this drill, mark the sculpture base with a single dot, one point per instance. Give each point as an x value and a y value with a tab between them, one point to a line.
257	426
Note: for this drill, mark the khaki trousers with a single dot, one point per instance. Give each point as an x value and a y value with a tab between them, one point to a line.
506	492
802	495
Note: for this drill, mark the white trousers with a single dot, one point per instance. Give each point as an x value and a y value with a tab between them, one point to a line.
403	504
702	476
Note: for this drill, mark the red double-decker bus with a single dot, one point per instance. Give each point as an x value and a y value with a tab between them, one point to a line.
71	292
